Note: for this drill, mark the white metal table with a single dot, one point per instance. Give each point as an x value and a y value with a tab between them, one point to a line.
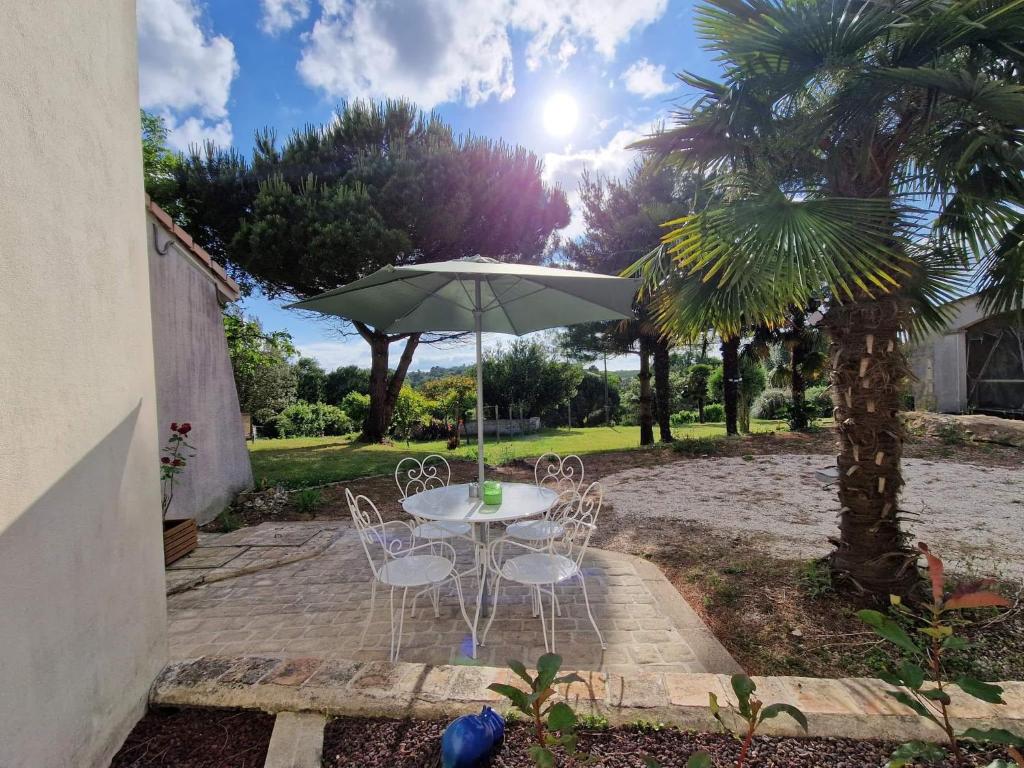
451	503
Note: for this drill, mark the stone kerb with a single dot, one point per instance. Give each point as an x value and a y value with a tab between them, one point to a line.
850	707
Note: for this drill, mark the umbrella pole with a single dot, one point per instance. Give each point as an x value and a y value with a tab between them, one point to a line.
478	327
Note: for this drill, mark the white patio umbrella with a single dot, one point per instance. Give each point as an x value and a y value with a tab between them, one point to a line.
477	294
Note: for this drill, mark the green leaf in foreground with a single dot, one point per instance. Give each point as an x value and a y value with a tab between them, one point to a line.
889	629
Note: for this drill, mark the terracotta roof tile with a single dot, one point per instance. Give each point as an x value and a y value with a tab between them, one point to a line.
225	284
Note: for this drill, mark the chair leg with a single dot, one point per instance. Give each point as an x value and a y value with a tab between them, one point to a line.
369	616
494	608
554	606
397	641
391	605
586	601
543	621
436	593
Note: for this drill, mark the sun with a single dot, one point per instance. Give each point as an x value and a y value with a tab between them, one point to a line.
560	114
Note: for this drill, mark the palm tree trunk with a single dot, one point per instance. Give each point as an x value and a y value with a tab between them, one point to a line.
730	382
646	417
798	418
662	389
867	368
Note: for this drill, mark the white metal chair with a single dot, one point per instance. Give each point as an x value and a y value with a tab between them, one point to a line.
401	565
552	471
413	476
542	568
558	474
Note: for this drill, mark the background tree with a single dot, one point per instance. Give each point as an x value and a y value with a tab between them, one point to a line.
523	376
382	183
158	161
311	380
827	129
264	376
795	356
341	381
455	396
623	222
695	383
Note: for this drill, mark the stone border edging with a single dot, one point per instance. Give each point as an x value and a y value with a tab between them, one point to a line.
848	707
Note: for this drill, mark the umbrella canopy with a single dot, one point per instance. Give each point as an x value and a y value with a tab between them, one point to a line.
477	294
514	298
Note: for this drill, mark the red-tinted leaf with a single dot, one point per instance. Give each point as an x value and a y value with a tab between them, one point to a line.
977	600
936	572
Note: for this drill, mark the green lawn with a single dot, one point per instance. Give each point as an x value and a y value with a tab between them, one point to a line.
303	461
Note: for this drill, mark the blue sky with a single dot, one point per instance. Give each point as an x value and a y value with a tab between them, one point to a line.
226	68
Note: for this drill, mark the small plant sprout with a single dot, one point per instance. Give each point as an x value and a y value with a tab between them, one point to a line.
921	679
548	718
753	712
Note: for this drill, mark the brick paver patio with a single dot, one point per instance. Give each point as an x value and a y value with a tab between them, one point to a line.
317	606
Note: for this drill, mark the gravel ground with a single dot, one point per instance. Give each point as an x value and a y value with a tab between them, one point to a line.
971	514
169	737
368	743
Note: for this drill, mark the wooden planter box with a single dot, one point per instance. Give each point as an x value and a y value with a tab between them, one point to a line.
180	538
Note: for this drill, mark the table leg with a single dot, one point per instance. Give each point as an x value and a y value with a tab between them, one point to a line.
484	538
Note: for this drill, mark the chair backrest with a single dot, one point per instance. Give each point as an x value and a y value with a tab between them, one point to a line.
413	476
371	528
580	522
552	471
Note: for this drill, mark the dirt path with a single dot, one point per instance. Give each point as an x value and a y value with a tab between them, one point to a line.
972	514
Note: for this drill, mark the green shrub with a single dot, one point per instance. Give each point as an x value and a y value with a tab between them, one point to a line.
357	406
773	403
302	419
679	418
714	412
819	400
695	446
308	501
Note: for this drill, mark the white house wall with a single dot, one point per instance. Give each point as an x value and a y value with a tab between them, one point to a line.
82	608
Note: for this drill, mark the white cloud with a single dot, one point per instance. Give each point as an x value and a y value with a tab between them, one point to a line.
646	79
282	15
193	131
437	51
612	161
185	73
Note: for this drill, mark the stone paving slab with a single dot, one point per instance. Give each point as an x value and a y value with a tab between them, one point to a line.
853	708
248	550
318	607
297	741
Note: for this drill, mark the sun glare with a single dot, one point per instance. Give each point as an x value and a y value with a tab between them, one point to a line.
560	114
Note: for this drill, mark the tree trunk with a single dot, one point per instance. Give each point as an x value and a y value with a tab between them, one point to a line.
799	418
662	389
730	382
867	368
646	416
384	388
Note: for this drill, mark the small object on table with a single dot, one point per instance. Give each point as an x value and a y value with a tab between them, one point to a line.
492	492
474	490
470	739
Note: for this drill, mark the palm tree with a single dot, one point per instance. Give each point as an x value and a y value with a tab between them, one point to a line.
840	131
794	354
684	305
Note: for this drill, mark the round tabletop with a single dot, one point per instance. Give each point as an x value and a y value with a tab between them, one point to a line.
452	503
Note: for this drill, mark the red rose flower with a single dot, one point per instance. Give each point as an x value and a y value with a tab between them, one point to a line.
177	462
185	428
165	460
174	426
